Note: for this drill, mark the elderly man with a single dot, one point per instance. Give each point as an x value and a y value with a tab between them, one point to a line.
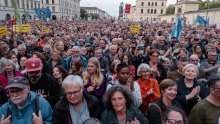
24	105
207	111
76	106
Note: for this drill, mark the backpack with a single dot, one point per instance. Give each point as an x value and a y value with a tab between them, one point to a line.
35	104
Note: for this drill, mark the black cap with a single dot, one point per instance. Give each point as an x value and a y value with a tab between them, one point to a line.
18	82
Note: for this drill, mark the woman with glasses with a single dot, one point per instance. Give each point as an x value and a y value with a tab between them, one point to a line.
158	71
119	107
174	115
149	87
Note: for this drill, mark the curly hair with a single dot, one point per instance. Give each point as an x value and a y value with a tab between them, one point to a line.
117	88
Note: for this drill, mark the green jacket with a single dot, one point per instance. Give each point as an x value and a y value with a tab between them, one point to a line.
109	116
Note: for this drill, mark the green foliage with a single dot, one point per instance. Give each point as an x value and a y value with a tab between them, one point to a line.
94	16
170	9
83	14
209	4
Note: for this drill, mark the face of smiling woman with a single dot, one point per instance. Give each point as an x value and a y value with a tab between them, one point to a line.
118	102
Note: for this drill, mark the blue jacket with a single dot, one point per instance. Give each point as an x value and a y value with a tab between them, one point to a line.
69	59
24	115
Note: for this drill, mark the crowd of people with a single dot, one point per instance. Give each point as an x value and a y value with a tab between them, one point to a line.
93	72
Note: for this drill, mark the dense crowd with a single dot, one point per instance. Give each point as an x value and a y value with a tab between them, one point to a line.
92	72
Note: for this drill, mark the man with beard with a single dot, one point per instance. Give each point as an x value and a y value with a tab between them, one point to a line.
76	54
42	83
24	105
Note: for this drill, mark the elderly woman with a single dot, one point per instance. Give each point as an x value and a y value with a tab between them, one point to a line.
119	109
174	115
156	110
189	90
149	87
9	72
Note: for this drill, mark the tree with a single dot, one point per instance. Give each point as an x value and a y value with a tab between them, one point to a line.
209	4
83	14
170	9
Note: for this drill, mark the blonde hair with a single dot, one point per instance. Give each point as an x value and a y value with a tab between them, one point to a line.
98	77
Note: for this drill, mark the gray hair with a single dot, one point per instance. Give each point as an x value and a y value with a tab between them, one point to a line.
73	79
191	65
142	65
23	46
5	62
77	47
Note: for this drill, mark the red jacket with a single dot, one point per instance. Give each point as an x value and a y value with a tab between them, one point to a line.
4	79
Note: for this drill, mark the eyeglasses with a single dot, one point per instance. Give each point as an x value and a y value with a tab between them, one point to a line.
69	94
155	56
171	121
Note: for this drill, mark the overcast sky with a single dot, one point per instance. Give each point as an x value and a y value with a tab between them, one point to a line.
111	6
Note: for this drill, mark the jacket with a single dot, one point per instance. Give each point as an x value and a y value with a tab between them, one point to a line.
61	114
182	91
109	116
69	59
24	115
4	79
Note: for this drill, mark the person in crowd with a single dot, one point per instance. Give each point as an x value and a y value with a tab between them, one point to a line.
210	66
56	59
47	51
207	111
76	67
46	68
3	96
162	46
76	54
22	64
104	64
92	121
40	82
189	90
119	107
103	44
126	58
156	110
112	53
177	73
94	82
22	51
59	73
24	106
76	106
158	71
124	78
4	48
112	74
166	63
149	87
9	71
12	56
174	115
197	49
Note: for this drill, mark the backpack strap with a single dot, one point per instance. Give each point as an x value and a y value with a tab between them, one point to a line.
35	103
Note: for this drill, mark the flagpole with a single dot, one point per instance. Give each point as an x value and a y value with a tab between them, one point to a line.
18	21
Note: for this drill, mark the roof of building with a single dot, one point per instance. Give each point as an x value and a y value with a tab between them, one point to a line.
205	10
90	8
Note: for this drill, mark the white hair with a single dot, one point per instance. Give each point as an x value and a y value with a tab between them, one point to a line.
191	65
113	46
77	47
142	65
73	79
23	46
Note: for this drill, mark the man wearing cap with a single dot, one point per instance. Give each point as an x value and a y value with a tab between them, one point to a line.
42	83
24	105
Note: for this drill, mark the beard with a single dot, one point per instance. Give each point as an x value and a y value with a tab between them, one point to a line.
16	100
34	78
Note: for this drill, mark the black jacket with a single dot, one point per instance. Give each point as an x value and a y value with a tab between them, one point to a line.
61	114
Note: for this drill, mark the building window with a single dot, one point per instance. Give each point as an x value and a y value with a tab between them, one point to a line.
27	4
32	5
161	12
6	3
142	10
53	9
148	11
155	11
35	5
162	4
39	5
12	3
47	1
148	3
154	19
156	4
52	1
18	3
22	3
42	1
152	11
152	4
142	4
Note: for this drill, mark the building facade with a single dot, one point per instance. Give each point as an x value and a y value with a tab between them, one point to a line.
95	10
147	10
61	9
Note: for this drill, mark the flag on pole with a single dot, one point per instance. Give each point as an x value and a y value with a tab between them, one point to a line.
176	31
43	12
18	21
201	20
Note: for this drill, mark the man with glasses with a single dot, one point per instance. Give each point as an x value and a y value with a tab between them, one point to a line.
42	83
207	111
76	106
24	105
210	66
